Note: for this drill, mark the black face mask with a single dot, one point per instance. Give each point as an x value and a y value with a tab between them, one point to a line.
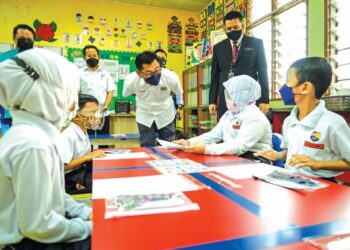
92	62
24	44
234	35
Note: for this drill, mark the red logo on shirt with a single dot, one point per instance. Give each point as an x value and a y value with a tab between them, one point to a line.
235	126
313	145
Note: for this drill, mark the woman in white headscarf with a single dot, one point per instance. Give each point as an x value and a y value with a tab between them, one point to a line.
243	128
40	89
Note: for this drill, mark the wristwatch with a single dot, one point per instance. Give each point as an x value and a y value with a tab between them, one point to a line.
180	106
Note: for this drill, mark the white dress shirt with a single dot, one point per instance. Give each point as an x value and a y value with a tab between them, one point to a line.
321	135
96	83
154	102
77	143
247	131
33	200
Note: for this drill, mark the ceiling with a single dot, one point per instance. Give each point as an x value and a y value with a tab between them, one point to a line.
177	5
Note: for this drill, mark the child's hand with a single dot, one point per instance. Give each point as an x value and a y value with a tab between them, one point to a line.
97	154
300	161
269	154
198	148
182	142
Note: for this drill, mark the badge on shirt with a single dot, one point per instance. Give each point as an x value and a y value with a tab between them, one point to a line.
313	145
236	123
163	88
315	136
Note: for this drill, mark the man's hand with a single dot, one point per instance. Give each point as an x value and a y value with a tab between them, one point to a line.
182	142
264	107
300	161
212	109
198	148
96	154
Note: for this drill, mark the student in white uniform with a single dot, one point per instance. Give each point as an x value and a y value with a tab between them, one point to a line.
152	86
243	128
77	155
40	89
316	141
97	82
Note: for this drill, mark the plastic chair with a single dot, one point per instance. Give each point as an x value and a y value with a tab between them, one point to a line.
276	145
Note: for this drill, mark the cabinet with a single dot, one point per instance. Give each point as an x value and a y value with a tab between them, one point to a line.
123	124
196	82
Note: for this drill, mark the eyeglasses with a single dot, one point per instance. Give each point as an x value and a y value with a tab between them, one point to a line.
149	74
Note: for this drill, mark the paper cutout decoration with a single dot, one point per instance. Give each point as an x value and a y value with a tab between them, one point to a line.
138	44
128	23
129	43
77	39
91	18
159	44
211	18
108	31
97	31
86	30
134	34
191	32
103	20
116	44
219	14
66	37
101	41
116	21
139	24
45	32
78	17
91	39
150	45
123	33
174	35
143	35
203	23
149	25
229	5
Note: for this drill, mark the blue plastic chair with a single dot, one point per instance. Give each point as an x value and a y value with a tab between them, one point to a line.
276	145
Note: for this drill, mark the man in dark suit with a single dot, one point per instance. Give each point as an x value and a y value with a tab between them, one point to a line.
239	54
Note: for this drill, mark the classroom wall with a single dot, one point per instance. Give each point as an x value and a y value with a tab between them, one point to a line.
63	13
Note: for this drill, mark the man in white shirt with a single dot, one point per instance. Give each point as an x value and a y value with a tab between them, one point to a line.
97	82
152	86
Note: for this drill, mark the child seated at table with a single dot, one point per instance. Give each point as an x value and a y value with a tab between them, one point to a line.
40	88
316	141
77	155
242	129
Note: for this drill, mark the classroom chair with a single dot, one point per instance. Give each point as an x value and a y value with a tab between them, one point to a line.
276	145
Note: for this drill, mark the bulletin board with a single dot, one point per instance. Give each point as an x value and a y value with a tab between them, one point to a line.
124	61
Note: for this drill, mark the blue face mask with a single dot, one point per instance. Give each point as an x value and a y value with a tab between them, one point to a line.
153	80
287	95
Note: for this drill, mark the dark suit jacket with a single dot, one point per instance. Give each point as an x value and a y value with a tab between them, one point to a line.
250	61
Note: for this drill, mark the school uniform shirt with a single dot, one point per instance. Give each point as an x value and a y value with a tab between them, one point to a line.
248	130
154	102
321	135
96	83
77	143
33	200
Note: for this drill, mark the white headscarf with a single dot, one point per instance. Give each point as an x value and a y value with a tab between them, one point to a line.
243	90
50	96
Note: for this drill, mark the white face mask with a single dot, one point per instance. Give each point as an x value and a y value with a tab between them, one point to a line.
92	119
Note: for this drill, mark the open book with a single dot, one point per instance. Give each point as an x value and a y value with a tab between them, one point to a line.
169	145
130	205
289	179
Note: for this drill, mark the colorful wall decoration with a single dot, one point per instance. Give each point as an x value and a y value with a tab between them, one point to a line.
191	32
174	35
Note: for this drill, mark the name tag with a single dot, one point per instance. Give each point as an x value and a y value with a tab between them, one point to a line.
313	145
248	49
163	88
236	126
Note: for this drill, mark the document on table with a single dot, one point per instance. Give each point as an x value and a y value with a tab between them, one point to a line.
126	155
155	184
245	171
177	166
169	145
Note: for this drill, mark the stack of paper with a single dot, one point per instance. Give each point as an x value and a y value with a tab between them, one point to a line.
177	166
169	145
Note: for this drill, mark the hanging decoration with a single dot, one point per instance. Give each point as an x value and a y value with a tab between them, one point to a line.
229	5
203	23
45	32
174	35
219	14
211	18
191	32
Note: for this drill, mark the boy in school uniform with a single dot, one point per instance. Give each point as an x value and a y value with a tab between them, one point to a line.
77	156
316	141
40	89
243	128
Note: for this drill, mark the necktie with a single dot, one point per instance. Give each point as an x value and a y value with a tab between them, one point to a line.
234	52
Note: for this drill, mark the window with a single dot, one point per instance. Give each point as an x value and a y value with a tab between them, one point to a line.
339	44
283	31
